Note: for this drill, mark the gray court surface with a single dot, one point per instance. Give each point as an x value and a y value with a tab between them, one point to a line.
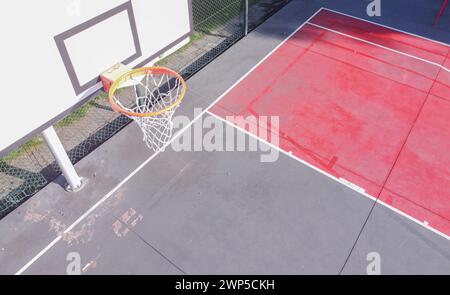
217	212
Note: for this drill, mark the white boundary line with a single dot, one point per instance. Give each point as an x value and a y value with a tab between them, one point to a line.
382	46
126	179
387	27
290	155
341	181
399	52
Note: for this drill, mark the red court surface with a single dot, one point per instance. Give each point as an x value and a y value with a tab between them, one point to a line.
364	103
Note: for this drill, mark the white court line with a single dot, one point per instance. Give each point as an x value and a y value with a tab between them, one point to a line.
126	179
381	46
387	27
341	181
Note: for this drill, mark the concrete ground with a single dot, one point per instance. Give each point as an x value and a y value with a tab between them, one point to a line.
222	212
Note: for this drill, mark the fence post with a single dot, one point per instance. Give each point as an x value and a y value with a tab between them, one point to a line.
246	18
74	181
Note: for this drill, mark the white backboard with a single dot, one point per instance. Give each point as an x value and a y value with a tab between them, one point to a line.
88	61
59	48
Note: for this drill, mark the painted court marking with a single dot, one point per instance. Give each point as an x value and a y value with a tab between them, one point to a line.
340	180
206	111
384	26
253	97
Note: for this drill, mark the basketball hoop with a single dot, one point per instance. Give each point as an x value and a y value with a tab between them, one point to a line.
150	97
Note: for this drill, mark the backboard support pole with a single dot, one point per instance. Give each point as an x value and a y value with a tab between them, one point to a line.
246	18
75	182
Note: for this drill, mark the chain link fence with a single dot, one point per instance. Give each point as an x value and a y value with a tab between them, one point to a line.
218	24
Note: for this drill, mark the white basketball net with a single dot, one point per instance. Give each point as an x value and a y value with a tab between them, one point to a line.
156	96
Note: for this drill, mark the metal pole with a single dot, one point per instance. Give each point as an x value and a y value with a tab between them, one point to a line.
58	151
246	18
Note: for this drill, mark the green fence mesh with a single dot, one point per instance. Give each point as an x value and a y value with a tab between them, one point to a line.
218	24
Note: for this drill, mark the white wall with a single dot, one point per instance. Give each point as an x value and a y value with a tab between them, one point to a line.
35	84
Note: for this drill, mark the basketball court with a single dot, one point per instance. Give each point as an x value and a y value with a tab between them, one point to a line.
363	166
